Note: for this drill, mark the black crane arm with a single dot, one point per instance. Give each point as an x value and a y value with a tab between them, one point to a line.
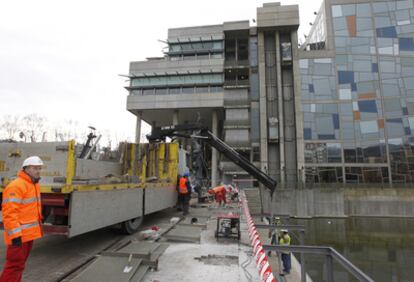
159	134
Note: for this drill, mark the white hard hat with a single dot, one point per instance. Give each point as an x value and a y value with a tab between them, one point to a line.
284	230
33	160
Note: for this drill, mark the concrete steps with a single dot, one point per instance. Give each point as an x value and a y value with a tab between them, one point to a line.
253	200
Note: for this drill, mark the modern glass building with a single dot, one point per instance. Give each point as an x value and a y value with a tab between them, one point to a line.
357	93
337	109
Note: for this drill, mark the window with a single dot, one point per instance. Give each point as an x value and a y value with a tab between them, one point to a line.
175	90
230	49
366	175
323	174
323	153
148	91
215	89
387	32
161	91
188	90
345	77
242	50
201	89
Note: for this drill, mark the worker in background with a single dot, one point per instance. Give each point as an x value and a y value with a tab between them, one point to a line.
286	259
219	193
184	193
22	215
234	192
274	234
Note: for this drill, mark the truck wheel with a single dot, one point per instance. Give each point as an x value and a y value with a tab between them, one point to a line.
131	226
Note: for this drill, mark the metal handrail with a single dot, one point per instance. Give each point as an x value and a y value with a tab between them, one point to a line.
291	227
329	253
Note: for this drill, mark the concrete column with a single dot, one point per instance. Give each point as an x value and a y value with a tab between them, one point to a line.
138	128
280	110
262	103
175	117
300	148
214	151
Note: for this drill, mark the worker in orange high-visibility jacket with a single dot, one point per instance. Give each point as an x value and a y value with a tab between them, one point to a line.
219	193
22	215
184	193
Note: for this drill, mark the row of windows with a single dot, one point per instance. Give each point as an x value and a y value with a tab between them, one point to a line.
189	57
189	79
178	90
196	46
354	175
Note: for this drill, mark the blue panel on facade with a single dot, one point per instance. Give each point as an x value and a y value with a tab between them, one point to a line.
326	136
388	32
311	88
367	106
407	131
353	87
335	118
307	133
395	120
406	44
374	67
405	111
345	77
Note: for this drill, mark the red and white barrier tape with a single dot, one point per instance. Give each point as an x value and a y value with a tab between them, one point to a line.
265	272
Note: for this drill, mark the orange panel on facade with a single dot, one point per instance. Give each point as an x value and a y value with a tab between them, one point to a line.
368	95
357	115
351	23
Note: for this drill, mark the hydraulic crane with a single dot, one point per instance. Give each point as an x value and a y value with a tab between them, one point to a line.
197	131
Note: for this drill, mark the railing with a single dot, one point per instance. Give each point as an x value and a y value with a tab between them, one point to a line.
329	253
291	227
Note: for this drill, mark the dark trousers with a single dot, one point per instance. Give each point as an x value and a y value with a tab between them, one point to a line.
15	261
197	189
184	202
286	263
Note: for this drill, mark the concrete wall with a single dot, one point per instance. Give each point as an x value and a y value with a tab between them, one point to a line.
339	202
380	202
175	101
183	33
272	15
162	67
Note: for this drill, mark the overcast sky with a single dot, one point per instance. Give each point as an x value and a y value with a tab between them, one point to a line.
62	59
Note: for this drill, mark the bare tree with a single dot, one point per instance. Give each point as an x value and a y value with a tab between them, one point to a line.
10	126
33	126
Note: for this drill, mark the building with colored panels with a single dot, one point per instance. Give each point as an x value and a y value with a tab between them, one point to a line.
337	109
357	93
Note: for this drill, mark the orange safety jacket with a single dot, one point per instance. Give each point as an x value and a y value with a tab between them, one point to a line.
219	189
22	209
183	186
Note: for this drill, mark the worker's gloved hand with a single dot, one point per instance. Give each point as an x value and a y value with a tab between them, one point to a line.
17	242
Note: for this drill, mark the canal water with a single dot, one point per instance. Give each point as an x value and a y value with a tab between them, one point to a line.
381	247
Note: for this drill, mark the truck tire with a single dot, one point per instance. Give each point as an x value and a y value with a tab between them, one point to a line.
131	226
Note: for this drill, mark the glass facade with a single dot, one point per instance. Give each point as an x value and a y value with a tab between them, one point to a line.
358	105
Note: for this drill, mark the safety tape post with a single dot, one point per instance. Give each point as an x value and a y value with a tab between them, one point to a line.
262	263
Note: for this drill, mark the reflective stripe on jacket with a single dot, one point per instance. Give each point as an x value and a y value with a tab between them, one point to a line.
183	186
22	209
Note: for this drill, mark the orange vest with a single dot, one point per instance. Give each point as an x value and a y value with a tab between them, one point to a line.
22	209
219	189
183	185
